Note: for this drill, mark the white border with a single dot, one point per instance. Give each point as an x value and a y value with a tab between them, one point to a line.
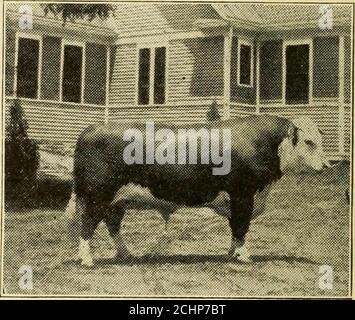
24	35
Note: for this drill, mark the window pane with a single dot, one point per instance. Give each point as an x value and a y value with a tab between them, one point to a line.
143	81
27	68
297	74
72	73
245	63
159	76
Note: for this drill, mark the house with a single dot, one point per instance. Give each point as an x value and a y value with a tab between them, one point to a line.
170	62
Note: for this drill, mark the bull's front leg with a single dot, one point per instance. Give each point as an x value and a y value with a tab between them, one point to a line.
241	213
113	221
89	221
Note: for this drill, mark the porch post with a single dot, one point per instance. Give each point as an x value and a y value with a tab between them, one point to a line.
341	95
257	80
107	96
227	72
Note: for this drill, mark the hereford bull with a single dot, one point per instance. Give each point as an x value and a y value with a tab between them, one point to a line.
262	148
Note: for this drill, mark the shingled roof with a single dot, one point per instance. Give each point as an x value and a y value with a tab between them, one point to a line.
138	19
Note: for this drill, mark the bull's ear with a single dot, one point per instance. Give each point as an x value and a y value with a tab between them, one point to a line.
292	133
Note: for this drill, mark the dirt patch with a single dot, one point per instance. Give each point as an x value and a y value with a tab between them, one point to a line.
305	226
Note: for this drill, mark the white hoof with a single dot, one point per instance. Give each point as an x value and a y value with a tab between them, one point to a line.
243	254
245	259
87	262
84	253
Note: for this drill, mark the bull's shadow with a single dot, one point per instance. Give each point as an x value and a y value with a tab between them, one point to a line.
197	258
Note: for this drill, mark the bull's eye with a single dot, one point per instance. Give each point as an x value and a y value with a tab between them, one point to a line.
310	143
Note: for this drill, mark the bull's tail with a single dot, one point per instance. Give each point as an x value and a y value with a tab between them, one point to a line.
70	208
72	215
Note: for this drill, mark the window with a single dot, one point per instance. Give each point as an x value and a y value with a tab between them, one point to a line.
28	66
159	76
245	70
72	73
144	73
297	68
152	75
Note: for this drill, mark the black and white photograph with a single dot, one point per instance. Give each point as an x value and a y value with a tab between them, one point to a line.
177	150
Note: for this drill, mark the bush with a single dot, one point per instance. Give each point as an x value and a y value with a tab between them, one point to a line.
21	159
213	114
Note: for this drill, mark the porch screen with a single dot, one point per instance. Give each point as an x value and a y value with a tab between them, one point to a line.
143	82
159	76
297	74
245	65
72	73
27	68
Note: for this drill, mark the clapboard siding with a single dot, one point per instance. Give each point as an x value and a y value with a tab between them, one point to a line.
146	19
195	68
123	86
57	122
326	118
347	129
63	122
237	110
180	114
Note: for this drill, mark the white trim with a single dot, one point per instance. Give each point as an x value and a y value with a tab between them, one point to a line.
24	35
244	42
227	48
151	74
257	80
285	44
341	94
152	47
78	44
73	104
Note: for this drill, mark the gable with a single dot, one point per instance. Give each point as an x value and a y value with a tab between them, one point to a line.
148	19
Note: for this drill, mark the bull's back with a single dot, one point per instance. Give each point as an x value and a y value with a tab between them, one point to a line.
99	164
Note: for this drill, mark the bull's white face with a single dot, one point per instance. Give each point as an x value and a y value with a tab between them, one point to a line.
307	152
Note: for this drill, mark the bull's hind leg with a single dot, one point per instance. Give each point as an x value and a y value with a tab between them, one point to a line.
113	221
90	219
241	212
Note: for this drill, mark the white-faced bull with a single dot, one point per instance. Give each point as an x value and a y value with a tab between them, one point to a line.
263	147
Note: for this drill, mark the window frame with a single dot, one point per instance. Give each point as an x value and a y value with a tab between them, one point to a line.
152	47
66	42
39	38
244	42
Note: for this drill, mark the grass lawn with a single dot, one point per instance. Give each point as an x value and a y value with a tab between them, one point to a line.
305	226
